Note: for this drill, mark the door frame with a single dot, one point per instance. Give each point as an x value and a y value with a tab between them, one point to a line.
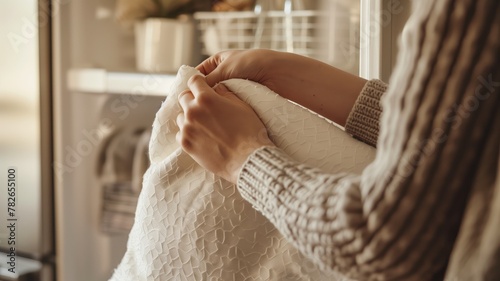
381	21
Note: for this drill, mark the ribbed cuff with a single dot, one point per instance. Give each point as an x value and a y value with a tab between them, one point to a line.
256	181
363	121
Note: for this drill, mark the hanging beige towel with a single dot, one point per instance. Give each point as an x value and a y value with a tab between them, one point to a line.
192	225
120	170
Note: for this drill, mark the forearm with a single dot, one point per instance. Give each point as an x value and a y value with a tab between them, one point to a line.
400	218
322	88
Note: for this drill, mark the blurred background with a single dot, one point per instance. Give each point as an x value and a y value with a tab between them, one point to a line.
81	81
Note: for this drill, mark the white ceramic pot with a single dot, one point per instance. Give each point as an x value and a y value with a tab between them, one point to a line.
163	45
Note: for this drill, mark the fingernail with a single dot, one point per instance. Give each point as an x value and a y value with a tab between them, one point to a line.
187	91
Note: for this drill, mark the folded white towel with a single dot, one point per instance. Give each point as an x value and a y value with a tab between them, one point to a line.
193	225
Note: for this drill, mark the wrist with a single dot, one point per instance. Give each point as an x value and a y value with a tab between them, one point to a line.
235	173
244	152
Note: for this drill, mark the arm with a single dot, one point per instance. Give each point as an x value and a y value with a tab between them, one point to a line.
399	219
320	87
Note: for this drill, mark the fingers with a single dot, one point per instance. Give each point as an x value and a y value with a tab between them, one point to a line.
210	67
215	77
202	92
182	137
223	90
185	134
197	102
188	133
185	98
180	120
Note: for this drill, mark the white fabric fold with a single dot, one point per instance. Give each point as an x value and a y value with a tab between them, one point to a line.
193	225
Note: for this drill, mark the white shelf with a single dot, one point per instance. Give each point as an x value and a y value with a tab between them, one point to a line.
96	80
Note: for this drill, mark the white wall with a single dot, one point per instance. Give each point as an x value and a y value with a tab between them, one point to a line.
18	50
19	116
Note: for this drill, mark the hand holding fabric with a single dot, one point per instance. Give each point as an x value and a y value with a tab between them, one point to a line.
218	129
313	84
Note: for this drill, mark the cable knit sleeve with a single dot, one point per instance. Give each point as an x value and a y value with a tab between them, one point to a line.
398	220
363	121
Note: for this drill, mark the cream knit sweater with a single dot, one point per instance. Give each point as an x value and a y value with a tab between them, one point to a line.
428	207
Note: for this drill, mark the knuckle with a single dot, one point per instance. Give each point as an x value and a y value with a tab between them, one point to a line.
205	99
188	131
185	92
182	140
179	119
185	137
192	114
195	79
186	144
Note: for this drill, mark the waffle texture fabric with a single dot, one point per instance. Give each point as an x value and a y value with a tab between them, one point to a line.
193	225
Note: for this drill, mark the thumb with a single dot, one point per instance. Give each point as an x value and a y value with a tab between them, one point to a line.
214	77
212	70
199	86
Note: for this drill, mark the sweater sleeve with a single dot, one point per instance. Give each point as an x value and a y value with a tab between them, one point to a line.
363	120
398	220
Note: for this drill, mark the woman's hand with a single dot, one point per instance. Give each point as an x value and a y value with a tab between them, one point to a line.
320	87
218	129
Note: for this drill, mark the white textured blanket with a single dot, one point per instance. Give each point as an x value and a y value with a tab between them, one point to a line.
193	225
